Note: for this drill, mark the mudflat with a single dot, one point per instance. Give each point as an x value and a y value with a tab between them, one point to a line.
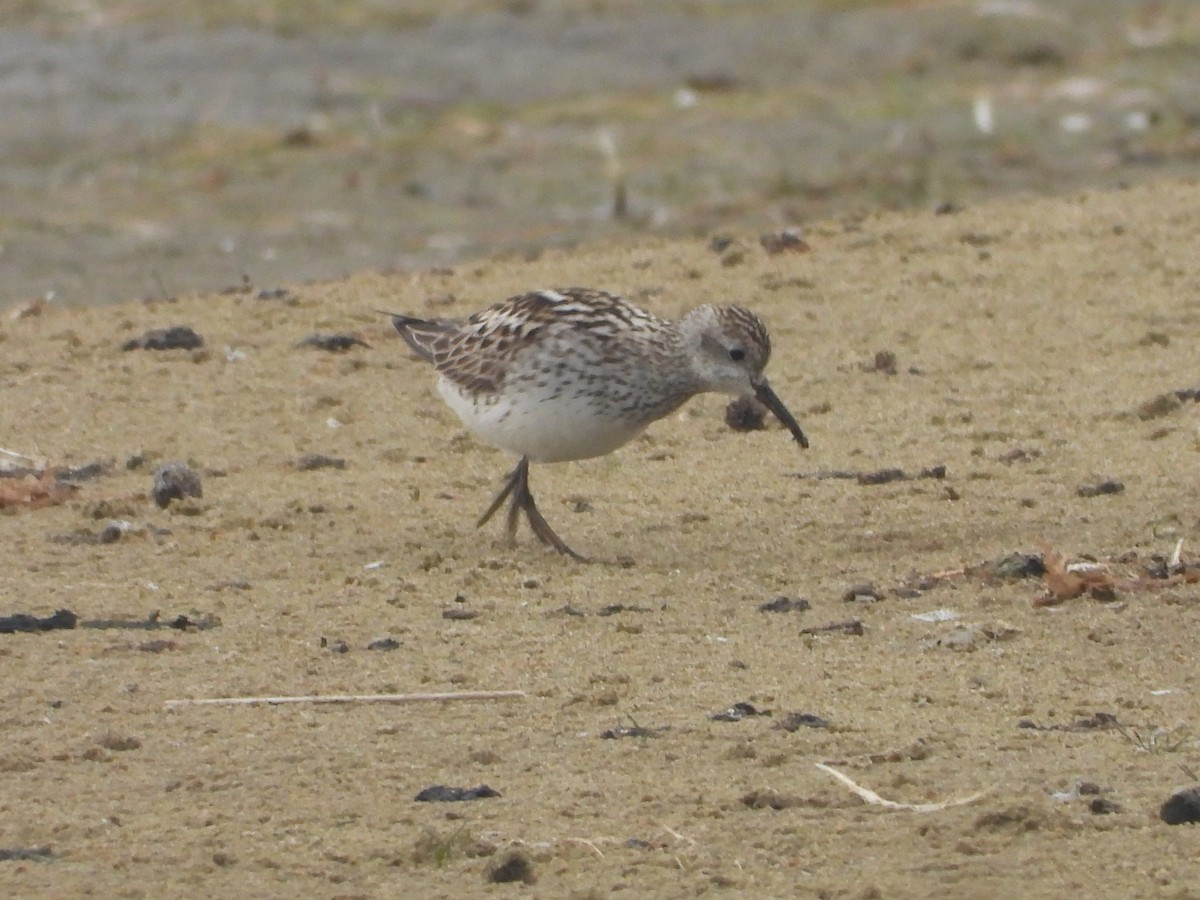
1044	351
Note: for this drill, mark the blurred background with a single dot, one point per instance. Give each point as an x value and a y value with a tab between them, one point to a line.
154	147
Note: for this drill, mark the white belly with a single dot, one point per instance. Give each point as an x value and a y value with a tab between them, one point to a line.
542	427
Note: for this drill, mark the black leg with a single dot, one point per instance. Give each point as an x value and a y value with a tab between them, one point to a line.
517	487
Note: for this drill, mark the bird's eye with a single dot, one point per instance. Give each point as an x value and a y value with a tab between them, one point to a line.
737	354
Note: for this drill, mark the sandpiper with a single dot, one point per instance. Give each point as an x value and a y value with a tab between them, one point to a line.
573	373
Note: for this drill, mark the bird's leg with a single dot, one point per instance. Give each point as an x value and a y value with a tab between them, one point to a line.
522	501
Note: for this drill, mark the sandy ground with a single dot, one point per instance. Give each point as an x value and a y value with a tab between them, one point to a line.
1027	333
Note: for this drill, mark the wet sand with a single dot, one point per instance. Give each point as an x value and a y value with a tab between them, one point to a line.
1027	334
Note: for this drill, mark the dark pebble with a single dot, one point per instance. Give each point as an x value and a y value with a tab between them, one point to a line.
513	866
440	793
795	721
1182	807
1100	488
785	604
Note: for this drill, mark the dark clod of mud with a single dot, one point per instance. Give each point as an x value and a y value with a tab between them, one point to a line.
885	363
386	643
23	622
175	481
614	609
632	731
333	343
440	793
789	240
739	711
771	800
26	854
797	720
746	414
1100	721
1182	807
867	593
1100	488
310	462
785	604
513	866
878	476
177	337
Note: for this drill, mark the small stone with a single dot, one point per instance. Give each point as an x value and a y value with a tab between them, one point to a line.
1100	488
746	414
1182	807
513	866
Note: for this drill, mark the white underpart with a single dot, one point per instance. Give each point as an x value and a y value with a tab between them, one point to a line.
544	429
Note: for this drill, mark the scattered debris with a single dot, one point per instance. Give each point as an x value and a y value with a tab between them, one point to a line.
785	604
879	476
770	799
312	461
154	622
788	240
746	414
1108	486
338	646
970	637
349	698
334	343
850	626
1019	455
616	608
80	474
632	731
1182	807
177	337
513	866
738	711
23	622
797	720
175	481
440	793
1100	721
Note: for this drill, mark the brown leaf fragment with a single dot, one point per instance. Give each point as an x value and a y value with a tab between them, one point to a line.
1066	582
33	493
